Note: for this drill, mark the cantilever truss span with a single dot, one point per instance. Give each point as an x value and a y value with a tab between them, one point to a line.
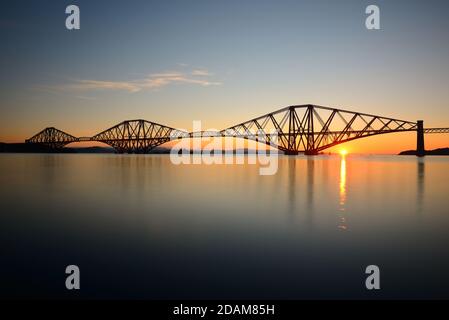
311	129
138	136
303	128
52	138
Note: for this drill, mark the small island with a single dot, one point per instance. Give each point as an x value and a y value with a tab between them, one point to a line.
435	152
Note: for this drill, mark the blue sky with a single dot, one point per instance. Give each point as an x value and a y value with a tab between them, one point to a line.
221	62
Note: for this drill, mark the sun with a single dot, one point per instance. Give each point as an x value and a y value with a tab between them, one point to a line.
343	152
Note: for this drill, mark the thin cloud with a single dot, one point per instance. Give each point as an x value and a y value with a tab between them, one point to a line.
201	72
104	85
86	98
151	82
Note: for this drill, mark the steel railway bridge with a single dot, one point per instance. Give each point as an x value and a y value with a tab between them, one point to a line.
307	129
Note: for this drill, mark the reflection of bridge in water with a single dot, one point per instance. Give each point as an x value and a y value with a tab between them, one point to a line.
309	129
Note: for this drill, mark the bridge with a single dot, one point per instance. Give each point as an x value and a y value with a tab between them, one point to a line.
307	129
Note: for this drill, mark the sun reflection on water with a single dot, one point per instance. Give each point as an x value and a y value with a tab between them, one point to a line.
342	194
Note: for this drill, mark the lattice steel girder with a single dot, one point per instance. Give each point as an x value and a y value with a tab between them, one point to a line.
302	128
311	128
137	136
436	130
53	138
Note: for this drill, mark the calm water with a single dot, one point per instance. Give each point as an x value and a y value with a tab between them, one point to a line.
141	227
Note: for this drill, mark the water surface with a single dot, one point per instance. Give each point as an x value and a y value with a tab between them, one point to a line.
140	227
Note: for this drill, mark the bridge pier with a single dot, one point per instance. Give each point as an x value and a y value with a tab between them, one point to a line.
311	153
420	150
295	153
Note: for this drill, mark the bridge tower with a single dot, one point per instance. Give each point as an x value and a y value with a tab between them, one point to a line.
420	150
293	131
310	147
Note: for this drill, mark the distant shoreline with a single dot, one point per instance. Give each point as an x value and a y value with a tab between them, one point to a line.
32	148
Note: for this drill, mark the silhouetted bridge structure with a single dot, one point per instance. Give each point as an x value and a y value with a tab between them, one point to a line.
309	129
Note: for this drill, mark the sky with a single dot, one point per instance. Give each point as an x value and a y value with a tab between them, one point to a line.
221	62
